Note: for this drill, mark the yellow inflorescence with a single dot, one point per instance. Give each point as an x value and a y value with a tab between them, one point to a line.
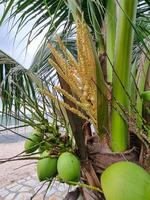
79	75
65	105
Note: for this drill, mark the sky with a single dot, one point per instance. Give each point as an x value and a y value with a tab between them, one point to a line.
17	48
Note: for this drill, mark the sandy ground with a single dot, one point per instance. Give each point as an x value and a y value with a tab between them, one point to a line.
10	145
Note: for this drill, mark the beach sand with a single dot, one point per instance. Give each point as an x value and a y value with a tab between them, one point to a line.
10	145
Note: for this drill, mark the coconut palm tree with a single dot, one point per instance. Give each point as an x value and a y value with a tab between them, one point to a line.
100	81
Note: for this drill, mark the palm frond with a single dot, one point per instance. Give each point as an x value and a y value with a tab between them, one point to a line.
12	75
40	63
22	98
143	7
53	14
47	15
142	35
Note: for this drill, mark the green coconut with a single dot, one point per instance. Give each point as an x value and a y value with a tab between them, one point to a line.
46	167
125	181
146	95
68	167
33	143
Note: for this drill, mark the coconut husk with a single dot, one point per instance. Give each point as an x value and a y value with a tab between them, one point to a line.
83	194
91	195
73	195
144	159
101	156
89	174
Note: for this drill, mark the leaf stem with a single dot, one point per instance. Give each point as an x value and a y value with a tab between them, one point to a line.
126	14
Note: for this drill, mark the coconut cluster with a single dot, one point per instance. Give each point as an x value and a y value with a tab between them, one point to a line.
54	159
66	166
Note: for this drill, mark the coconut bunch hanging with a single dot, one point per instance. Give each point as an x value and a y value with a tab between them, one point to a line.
56	154
49	166
40	141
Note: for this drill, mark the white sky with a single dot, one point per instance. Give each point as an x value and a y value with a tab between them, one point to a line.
17	50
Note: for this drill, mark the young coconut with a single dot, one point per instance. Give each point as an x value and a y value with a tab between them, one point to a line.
125	181
46	167
33	143
146	95
68	167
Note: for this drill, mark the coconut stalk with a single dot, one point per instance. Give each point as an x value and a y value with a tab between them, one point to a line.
133	90
76	123
110	36
126	14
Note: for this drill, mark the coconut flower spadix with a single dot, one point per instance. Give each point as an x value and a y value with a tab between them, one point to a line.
125	181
